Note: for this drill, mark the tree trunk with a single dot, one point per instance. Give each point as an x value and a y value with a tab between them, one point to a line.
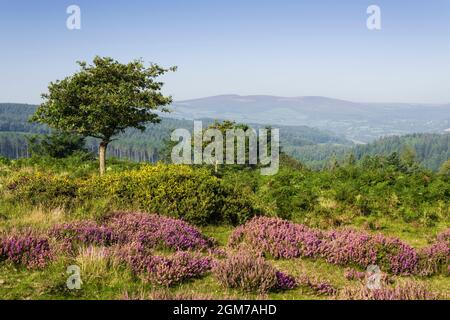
102	156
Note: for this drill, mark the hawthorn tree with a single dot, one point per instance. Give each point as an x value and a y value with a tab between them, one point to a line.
103	99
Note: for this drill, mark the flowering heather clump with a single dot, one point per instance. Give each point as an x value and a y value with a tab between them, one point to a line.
444	236
178	267
154	230
434	258
408	291
285	282
135	234
165	294
350	246
163	270
283	239
136	256
27	249
320	287
323	288
277	237
217	252
353	274
82	232
247	272
121	228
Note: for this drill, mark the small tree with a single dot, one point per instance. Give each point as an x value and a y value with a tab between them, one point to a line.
57	144
103	99
409	156
445	168
350	160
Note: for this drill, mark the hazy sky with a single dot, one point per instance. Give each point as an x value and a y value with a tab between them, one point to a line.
278	47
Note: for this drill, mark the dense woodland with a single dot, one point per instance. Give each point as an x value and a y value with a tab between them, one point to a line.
429	149
314	148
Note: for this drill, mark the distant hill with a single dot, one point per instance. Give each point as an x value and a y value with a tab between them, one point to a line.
133	144
360	122
14	118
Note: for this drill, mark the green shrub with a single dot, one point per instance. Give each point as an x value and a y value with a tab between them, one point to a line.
287	194
4	160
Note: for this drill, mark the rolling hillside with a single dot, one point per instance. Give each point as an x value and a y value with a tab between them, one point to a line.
361	122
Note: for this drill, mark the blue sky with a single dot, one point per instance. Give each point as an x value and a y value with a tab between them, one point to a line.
285	48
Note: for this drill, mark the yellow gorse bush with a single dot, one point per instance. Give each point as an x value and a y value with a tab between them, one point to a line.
44	188
180	191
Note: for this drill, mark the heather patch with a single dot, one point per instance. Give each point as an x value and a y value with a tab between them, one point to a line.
285	281
82	232
283	239
245	271
26	249
178	267
163	270
278	238
406	291
346	247
132	239
320	287
353	274
155	230
444	236
435	258
152	231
